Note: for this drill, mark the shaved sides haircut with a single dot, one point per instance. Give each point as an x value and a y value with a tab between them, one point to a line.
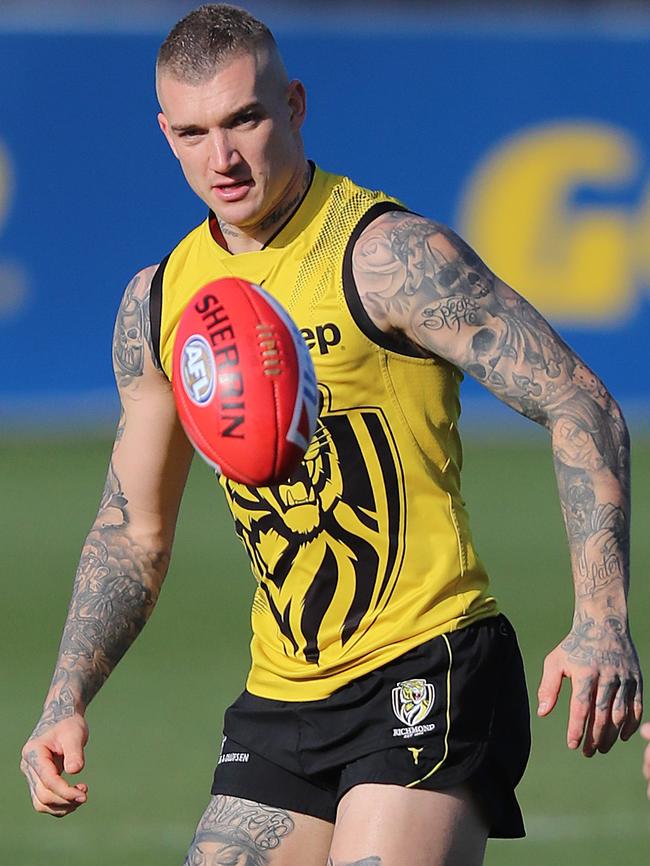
206	37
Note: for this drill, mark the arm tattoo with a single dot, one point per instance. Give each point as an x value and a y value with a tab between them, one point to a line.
605	644
115	590
419	278
60	707
29	765
234	831
118	579
132	333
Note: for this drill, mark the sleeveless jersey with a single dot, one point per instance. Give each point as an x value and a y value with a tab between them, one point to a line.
365	552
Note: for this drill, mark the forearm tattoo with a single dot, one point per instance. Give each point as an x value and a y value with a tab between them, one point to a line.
418	277
118	578
234	831
114	593
60	707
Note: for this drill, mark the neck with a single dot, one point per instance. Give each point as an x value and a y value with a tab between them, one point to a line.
241	240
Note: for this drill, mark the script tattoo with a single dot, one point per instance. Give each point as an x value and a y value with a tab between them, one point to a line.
286	208
234	831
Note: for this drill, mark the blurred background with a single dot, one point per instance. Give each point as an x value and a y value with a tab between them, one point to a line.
523	125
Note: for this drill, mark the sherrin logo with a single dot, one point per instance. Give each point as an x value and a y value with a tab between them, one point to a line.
198	370
413	701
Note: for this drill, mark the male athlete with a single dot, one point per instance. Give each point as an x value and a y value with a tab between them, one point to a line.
385	718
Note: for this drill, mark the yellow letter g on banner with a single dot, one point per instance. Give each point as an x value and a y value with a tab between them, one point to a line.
574	262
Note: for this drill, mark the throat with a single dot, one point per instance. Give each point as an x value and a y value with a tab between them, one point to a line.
235	239
230	238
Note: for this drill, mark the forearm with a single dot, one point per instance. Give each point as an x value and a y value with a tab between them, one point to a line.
592	469
115	590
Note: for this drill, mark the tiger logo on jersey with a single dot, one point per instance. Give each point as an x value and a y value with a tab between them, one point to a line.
413	701
326	546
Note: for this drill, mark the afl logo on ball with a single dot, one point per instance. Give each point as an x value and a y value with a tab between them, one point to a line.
198	370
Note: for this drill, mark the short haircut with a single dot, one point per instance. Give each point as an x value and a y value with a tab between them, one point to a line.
198	43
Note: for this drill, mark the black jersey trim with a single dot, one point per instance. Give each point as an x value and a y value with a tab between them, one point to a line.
155	309
391	342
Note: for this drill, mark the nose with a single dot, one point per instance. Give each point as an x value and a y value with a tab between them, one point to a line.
223	155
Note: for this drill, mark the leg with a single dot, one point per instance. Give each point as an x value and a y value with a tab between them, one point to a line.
235	832
386	825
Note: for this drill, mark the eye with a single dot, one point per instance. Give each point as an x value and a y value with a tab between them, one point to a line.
191	132
247	118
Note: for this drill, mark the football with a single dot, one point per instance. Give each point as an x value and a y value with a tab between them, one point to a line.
244	382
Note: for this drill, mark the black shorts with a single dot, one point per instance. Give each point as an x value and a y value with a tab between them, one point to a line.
452	710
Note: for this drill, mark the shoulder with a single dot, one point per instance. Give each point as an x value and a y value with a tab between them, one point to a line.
400	256
132	343
406	238
139	286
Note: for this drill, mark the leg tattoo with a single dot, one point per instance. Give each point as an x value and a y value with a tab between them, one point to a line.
234	832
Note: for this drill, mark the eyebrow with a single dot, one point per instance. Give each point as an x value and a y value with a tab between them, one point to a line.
193	127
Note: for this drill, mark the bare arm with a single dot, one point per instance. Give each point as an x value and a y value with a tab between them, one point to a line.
124	558
418	278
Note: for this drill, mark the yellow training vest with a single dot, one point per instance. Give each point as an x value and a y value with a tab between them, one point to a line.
366	551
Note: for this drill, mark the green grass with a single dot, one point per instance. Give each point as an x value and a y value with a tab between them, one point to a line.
155	727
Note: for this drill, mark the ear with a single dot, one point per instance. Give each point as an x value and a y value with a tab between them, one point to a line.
164	125
297	101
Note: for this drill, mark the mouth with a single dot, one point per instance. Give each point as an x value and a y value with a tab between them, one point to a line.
297	494
233	190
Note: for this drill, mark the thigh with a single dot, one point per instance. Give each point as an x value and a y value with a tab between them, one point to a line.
237	832
386	825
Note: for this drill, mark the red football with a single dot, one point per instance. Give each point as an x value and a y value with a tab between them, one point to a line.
244	382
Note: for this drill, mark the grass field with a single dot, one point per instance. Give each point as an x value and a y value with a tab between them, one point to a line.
155	727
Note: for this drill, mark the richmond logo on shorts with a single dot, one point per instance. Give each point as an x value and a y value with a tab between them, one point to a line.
412	703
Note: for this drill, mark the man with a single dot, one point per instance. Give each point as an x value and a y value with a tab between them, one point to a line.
386	699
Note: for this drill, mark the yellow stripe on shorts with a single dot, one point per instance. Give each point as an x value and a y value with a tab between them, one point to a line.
446	751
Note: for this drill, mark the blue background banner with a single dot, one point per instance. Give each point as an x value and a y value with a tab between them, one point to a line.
535	148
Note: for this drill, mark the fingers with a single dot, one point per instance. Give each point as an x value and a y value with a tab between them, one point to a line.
50	792
605	718
602	709
73	753
549	687
633	701
580	710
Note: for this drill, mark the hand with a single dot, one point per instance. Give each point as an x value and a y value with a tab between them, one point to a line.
50	751
645	733
606	700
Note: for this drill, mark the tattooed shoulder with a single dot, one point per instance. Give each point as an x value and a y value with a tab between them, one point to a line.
132	334
401	260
